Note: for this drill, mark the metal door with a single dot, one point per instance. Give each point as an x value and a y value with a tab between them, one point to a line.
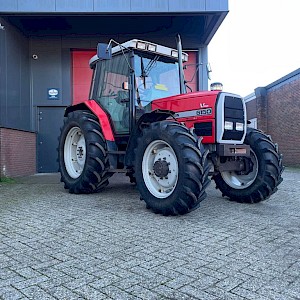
50	120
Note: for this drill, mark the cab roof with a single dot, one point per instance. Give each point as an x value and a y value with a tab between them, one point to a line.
144	46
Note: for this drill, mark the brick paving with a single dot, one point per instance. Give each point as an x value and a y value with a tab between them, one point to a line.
54	245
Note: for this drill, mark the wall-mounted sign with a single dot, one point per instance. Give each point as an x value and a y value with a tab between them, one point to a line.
53	94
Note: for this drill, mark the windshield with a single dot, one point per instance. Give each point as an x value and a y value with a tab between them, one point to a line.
156	77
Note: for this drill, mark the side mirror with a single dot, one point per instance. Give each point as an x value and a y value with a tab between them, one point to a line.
104	51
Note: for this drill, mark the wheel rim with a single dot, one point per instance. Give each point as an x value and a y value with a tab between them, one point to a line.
74	152
241	182
160	169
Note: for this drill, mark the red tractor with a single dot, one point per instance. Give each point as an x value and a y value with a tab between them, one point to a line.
141	121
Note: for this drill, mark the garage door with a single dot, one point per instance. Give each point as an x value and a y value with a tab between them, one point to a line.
189	72
82	74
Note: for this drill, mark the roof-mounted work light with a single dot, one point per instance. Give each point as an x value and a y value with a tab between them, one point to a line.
216	86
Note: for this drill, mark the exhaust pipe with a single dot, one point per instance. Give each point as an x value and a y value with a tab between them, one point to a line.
180	64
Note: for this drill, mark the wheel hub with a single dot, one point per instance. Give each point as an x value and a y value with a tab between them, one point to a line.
74	152
80	151
242	180
161	168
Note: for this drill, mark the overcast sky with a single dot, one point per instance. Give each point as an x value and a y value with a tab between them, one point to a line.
257	43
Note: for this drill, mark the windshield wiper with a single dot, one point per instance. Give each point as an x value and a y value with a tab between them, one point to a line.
151	64
145	71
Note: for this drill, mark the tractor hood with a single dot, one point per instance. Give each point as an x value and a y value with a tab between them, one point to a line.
189	102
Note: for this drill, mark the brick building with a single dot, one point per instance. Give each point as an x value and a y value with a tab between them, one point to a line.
46	45
275	109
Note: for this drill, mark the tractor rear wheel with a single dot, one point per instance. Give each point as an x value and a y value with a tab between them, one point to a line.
262	181
83	161
171	168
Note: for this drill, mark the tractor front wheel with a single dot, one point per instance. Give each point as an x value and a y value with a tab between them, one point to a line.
83	161
262	181
171	168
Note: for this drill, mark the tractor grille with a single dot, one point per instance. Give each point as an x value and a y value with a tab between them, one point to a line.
233	112
203	129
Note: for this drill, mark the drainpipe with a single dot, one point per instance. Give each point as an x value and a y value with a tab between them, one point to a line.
203	73
262	108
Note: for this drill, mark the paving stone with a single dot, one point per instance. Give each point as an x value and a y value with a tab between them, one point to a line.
105	280
221	294
88	292
6	273
28	272
84	280
12	280
213	273
168	272
35	292
244	293
63	293
54	282
10	293
126	283
293	290
150	283
118	294
256	283
179	282
165	292
273	295
229	283
122	273
196	293
143	293
29	282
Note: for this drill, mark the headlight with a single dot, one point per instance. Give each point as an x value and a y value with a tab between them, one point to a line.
239	126
228	125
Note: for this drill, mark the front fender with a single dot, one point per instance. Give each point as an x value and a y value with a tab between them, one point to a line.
146	118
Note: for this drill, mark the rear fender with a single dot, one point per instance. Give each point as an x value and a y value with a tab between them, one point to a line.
105	125
96	109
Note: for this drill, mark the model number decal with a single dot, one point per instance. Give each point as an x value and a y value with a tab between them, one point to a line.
204	112
194	113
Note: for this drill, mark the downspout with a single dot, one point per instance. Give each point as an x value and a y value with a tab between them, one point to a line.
262	108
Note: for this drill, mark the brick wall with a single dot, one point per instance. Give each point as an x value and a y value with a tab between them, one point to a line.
17	152
284	120
278	114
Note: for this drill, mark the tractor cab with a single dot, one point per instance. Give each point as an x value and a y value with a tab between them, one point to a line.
130	76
